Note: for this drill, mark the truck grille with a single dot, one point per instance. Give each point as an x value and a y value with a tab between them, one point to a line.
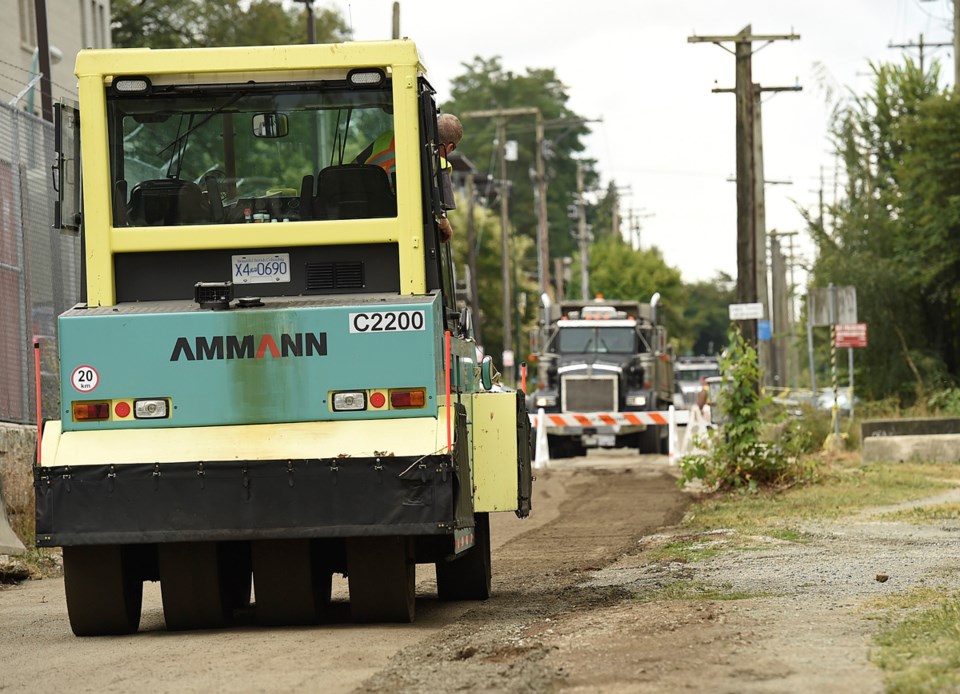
589	393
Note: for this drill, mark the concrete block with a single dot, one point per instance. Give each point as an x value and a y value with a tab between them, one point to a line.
910	426
943	448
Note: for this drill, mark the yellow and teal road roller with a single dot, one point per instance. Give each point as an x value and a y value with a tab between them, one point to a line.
268	380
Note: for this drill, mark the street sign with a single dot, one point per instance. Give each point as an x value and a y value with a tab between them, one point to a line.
845	305
763	330
851	335
746	311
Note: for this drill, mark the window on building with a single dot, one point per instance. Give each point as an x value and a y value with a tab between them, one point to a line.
84	30
28	25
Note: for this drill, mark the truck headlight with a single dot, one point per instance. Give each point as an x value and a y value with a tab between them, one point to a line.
636	401
546	400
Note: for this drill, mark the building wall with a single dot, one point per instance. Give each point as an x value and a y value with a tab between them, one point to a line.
71	25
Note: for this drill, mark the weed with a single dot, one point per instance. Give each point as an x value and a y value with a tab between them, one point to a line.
925	514
746	452
842	489
698	590
922	653
685	551
920	596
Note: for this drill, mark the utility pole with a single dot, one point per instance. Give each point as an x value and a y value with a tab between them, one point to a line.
505	250
43	54
543	229
314	126
747	249
766	350
781	312
472	257
543	234
920	45
956	61
396	21
582	238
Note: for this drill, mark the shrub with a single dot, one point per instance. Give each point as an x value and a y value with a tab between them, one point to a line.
745	451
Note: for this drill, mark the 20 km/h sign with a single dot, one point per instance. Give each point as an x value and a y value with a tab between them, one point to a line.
851	334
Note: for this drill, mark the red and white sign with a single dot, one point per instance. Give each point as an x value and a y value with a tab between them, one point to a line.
85	378
851	334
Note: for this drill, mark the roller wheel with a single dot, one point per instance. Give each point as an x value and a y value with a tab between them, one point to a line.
104	593
291	580
236	573
650	439
382	578
468	576
191	584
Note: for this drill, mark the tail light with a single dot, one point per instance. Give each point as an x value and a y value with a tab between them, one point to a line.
408	398
120	409
90	411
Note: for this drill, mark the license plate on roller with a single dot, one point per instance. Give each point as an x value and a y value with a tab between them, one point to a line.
260	269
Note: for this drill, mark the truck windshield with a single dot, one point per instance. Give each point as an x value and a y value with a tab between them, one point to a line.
586	340
696	374
286	152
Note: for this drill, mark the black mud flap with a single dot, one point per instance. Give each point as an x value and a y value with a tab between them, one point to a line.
524	457
461	464
247	500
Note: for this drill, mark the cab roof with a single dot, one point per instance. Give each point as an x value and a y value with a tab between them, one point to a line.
246	59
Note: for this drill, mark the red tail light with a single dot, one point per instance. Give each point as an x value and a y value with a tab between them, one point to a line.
87	411
407	398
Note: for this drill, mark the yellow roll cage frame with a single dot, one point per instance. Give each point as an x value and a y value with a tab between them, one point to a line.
97	69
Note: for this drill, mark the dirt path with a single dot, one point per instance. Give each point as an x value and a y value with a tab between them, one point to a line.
532	558
578	605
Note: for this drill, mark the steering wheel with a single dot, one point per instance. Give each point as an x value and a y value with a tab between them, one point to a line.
220	177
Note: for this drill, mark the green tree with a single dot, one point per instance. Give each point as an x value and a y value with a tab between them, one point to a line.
194	23
706	316
929	244
490	287
486	85
617	271
894	235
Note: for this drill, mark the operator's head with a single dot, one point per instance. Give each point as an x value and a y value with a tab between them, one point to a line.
451	132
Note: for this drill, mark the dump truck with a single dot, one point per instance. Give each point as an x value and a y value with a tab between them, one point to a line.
267	381
606	376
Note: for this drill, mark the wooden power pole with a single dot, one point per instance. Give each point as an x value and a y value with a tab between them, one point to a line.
504	192
751	257
472	260
582	238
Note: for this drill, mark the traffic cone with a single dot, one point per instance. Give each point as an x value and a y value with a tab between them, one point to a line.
541	456
672	434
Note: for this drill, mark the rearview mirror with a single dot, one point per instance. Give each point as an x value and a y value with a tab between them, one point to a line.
270	125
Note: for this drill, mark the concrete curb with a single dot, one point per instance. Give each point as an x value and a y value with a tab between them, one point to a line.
940	448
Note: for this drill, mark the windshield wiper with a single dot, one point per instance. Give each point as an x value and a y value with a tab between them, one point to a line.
179	138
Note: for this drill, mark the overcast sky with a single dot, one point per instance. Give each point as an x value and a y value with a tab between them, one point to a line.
664	134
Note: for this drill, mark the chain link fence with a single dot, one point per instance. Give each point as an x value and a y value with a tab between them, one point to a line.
39	267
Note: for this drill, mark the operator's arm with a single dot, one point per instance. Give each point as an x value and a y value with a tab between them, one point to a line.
364	155
446	231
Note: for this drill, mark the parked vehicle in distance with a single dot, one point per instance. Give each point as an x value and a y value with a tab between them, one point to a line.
690	373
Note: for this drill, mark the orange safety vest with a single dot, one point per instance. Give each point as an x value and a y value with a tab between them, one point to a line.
383	154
